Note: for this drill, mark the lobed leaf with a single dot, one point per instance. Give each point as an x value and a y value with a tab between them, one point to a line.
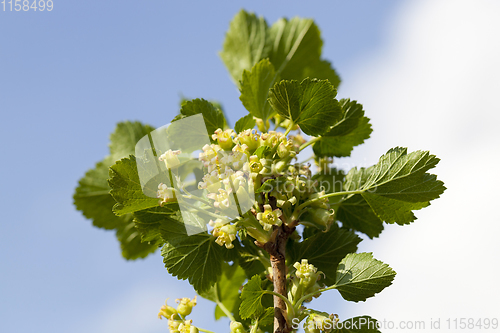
251	296
246	122
92	196
126	188
194	257
352	130
226	290
389	191
212	115
255	85
311	104
245	44
360	276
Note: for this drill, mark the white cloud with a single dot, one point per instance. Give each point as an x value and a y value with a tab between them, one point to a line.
435	87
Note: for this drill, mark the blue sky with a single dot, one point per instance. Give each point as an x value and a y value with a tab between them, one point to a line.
68	76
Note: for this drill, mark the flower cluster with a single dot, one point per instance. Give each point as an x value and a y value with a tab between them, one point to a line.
177	322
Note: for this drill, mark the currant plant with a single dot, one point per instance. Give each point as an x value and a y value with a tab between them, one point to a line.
278	235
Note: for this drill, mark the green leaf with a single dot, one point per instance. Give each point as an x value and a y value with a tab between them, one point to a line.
148	221
92	194
326	249
361	324
360	276
246	122
249	258
331	180
271	184
213	116
352	130
125	137
194	257
251	296
310	104
226	290
130	241
126	188
267	317
262	151
245	44
355	213
92	197
296	51
255	87
292	46
397	184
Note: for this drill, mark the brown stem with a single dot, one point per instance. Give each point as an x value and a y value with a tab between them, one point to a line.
276	250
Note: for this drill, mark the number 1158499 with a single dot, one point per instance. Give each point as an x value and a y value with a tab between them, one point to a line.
27	5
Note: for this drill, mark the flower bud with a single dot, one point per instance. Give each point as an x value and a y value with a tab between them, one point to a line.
237	327
167	311
260	124
322	216
173	326
185	305
170	158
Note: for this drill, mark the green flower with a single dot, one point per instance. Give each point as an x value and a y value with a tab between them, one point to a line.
167	311
269	217
170	158
224	138
185	305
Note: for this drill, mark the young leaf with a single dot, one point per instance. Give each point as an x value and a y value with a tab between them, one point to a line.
360	276
213	116
311	104
126	188
125	137
362	324
246	122
296	51
226	290
245	44
255	87
251	296
194	257
326	249
352	130
271	184
262	151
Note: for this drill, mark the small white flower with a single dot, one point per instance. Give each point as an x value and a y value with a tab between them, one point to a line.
170	158
165	194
